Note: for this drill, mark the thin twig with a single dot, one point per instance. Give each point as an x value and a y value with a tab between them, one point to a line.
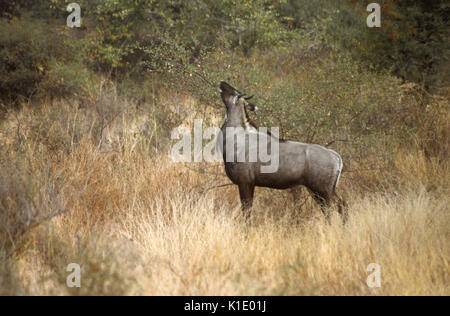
215	187
339	140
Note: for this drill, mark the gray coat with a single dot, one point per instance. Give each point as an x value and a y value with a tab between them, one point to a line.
287	164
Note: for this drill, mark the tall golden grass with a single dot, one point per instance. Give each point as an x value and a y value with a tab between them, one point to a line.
139	224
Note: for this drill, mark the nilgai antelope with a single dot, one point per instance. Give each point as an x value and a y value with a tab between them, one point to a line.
314	166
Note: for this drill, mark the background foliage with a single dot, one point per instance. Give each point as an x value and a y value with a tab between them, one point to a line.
319	72
131	38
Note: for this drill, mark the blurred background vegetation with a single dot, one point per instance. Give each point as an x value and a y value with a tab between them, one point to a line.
318	71
132	39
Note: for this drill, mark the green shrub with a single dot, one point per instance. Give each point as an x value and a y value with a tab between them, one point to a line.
410	42
37	58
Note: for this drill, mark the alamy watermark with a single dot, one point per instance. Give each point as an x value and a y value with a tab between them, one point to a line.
374	278
74	18
374	18
242	145
74	278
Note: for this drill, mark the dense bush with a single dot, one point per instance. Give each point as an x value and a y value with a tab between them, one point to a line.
129	39
37	58
118	31
410	42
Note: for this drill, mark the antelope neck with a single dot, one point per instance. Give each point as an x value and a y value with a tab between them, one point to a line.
238	117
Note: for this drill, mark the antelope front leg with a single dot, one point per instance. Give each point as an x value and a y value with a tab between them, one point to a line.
246	192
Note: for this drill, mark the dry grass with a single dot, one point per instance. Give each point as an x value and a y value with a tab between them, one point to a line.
138	225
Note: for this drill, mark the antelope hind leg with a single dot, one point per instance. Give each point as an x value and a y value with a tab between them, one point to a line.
342	208
324	204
